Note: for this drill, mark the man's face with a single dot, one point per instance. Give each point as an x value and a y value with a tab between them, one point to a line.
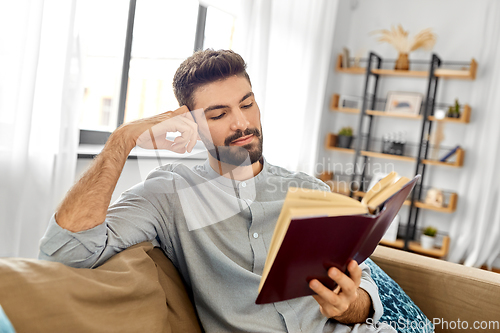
232	131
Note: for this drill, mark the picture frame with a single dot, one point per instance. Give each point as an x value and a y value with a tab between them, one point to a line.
403	102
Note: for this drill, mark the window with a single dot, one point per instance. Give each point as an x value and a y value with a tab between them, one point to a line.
219	29
102	34
131	52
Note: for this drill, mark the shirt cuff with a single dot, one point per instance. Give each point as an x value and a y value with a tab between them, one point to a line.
56	237
371	288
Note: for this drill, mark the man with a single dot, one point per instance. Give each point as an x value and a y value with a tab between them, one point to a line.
214	221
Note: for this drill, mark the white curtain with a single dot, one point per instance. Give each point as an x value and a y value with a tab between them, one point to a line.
40	88
287	45
475	230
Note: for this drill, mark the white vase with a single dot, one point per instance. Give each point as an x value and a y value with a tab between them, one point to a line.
427	242
392	232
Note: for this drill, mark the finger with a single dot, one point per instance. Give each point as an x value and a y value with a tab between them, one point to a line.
354	272
189	115
200	119
181	141
194	138
320	300
191	133
198	114
337	290
327	296
347	285
178	149
183	109
328	310
162	143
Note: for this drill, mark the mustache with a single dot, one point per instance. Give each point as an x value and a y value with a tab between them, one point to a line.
240	133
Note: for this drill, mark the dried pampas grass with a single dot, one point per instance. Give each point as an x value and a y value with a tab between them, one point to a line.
398	38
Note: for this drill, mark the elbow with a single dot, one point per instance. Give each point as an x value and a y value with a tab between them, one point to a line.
73	254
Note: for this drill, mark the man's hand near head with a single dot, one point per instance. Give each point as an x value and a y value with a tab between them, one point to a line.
150	133
348	303
86	204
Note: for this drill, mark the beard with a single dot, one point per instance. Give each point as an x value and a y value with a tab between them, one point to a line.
237	155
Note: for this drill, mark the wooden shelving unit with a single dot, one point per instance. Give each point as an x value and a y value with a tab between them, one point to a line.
374	71
461	74
334	106
459	160
449	208
387	156
437	252
464	117
331	141
393	115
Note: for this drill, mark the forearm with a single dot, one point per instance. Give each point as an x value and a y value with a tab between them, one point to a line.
358	311
86	204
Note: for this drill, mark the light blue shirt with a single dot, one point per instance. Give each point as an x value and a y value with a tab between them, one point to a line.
217	233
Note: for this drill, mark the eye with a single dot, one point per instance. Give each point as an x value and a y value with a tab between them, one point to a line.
218	117
247	106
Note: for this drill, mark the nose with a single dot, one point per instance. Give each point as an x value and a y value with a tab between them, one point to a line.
239	121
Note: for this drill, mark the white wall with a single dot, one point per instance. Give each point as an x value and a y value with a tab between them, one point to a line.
459	25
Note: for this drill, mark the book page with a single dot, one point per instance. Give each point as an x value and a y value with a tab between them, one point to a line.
317	195
385	194
380	186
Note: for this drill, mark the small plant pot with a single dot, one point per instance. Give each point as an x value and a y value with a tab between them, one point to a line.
344	141
427	242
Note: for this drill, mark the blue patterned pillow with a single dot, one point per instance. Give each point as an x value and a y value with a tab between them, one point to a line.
5	325
399	310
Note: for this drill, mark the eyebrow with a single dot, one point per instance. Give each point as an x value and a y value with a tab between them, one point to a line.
220	106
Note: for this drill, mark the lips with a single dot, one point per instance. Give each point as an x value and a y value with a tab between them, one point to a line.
243	140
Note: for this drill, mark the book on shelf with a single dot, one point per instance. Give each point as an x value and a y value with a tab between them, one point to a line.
317	230
449	154
345	58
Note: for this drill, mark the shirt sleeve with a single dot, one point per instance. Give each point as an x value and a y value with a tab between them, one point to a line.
371	288
130	220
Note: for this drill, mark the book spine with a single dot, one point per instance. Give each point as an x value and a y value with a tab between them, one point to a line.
447	156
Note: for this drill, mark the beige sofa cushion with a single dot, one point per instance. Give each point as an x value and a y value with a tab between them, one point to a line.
444	291
138	290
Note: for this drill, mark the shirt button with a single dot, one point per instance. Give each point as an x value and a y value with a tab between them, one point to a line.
255	235
243	184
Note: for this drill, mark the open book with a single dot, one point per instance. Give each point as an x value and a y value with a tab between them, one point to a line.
317	230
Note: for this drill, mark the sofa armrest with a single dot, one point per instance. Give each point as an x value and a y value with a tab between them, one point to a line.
441	289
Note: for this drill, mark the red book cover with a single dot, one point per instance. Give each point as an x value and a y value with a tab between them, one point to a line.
313	245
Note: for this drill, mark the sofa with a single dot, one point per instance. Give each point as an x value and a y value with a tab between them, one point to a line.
448	294
139	290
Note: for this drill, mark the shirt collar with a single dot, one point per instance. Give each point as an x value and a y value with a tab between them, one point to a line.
211	174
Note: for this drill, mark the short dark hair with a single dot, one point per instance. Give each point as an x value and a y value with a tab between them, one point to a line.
205	67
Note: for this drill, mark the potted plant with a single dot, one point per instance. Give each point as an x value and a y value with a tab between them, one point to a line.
454	111
427	238
344	137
